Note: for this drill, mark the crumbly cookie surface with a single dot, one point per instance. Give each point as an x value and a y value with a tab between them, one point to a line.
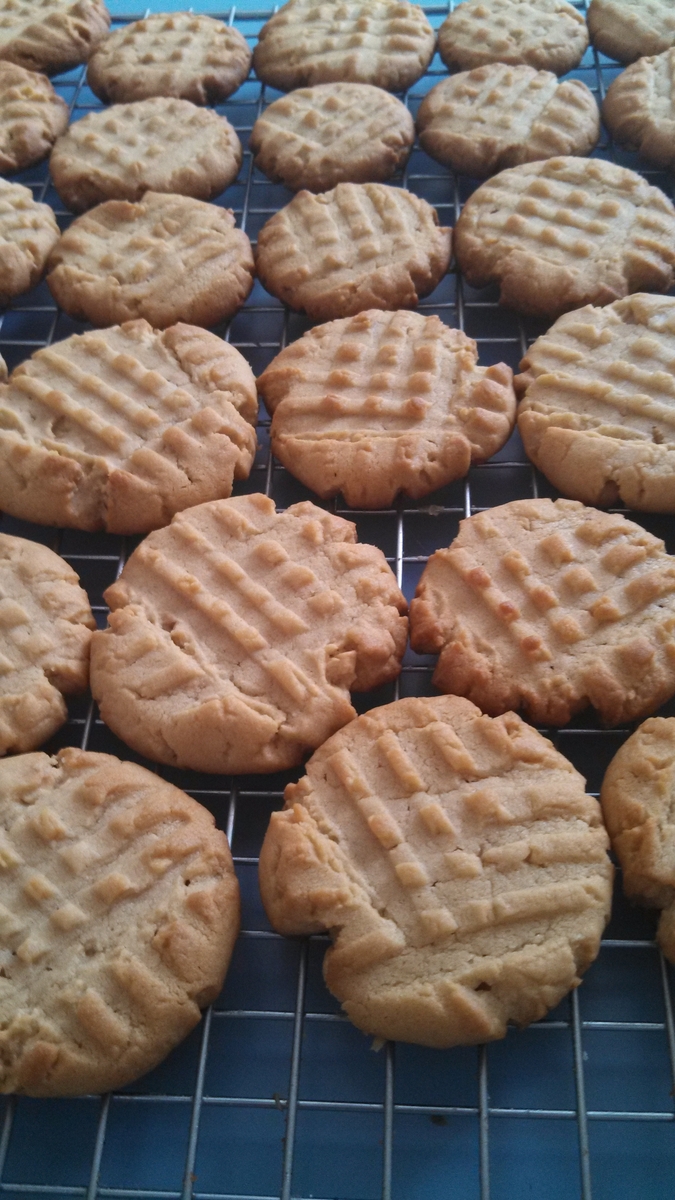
566	232
159	145
333	133
120	908
51	36
119	429
381	403
31	117
498	116
165	258
598	411
637	804
186	55
549	35
639	108
629	29
388	43
455	859
28	232
551	606
359	246
45	630
236	634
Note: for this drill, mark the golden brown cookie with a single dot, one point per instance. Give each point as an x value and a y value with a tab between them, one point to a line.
28	232
31	117
456	861
160	145
549	35
388	43
119	429
51	35
598	412
45	630
166	258
627	29
362	245
120	908
183	54
637	804
639	108
236	634
333	133
551	606
497	116
566	232
381	403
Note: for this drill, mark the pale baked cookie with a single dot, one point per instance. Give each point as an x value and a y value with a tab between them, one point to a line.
552	606
28	232
45	630
457	862
385	402
166	258
627	29
566	232
333	133
120	910
362	245
121	428
549	35
236	634
639	108
637	804
31	117
388	43
183	54
161	145
496	116
598	414
51	35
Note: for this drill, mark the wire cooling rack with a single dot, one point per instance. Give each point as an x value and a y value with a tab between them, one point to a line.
276	1095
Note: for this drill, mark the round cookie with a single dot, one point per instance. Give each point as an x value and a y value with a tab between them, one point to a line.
45	630
165	258
639	109
236	634
359	246
333	133
381	403
31	117
636	799
457	863
549	35
28	232
388	43
628	29
120	911
119	429
53	35
186	55
497	116
550	606
598	413
159	145
566	232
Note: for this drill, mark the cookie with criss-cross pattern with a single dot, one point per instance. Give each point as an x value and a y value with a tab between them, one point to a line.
552	606
549	35
385	42
53	35
120	909
183	54
457	863
28	232
359	246
31	117
639	108
628	29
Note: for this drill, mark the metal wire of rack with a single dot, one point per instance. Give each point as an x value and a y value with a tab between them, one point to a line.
276	1096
